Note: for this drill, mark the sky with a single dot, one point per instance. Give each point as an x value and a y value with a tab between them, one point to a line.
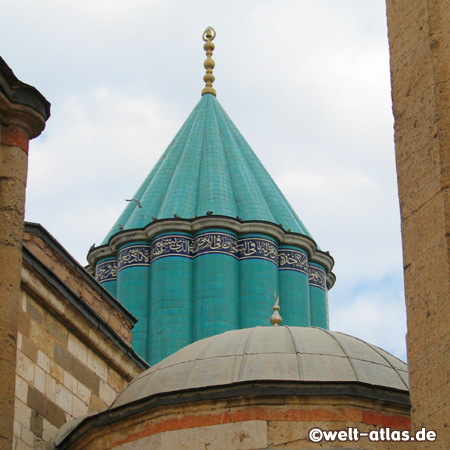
306	82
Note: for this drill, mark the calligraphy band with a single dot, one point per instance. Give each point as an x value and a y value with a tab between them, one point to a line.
207	243
210	243
317	277
106	271
289	259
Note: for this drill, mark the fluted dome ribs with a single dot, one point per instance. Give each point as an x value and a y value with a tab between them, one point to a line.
208	167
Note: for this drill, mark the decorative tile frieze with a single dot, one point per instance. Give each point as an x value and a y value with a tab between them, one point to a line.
317	277
134	255
289	259
211	243
106	271
171	245
215	243
257	248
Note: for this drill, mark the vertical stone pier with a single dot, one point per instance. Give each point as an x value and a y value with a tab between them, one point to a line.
23	113
419	41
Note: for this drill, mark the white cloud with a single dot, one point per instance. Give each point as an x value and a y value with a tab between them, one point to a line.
375	313
94	157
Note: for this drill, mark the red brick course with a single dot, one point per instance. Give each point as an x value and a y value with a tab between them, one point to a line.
15	137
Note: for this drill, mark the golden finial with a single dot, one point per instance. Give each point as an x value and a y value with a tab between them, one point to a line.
208	78
276	319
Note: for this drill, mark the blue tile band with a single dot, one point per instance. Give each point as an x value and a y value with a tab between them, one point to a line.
257	248
292	260
106	271
317	277
134	255
213	243
171	245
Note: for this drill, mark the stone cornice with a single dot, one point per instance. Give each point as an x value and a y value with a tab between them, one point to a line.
21	105
39	230
46	287
198	224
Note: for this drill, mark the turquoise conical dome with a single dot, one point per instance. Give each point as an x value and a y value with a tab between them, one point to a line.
208	242
208	166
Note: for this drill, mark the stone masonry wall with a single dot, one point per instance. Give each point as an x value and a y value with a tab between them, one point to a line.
58	376
73	343
66	271
419	41
249	423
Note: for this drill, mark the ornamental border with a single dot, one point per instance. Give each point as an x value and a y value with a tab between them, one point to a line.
122	264
112	276
219	243
317	277
293	265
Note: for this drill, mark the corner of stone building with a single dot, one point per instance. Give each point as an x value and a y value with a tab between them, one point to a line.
419	44
23	113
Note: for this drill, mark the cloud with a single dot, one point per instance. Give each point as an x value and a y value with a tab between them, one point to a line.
374	312
96	153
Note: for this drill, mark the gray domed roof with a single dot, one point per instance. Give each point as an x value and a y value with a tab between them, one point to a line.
290	354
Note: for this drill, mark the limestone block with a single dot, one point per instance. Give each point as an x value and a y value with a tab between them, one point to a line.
84	393
63	398
97	404
23	323
29	349
28	437
25	367
43	361
13	163
80	408
22	414
78	349
39	379
97	365
56	372
57	329
70	382
107	393
425	229
250	435
49	430
42	339
21	389
34	310
115	380
50	387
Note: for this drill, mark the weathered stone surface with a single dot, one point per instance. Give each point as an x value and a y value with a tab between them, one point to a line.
419	40
67	273
18	123
59	376
250	435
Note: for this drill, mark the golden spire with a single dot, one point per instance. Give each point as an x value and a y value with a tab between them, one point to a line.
276	319
208	78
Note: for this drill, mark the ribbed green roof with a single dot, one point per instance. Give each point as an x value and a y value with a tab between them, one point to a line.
208	167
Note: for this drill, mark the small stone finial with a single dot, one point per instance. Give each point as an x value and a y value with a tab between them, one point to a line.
208	78
276	319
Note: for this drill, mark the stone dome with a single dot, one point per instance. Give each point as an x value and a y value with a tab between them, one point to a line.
275	354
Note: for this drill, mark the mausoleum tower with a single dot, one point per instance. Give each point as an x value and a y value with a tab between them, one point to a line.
208	239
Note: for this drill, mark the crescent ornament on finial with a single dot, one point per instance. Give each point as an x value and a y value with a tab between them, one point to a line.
208	36
276	319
